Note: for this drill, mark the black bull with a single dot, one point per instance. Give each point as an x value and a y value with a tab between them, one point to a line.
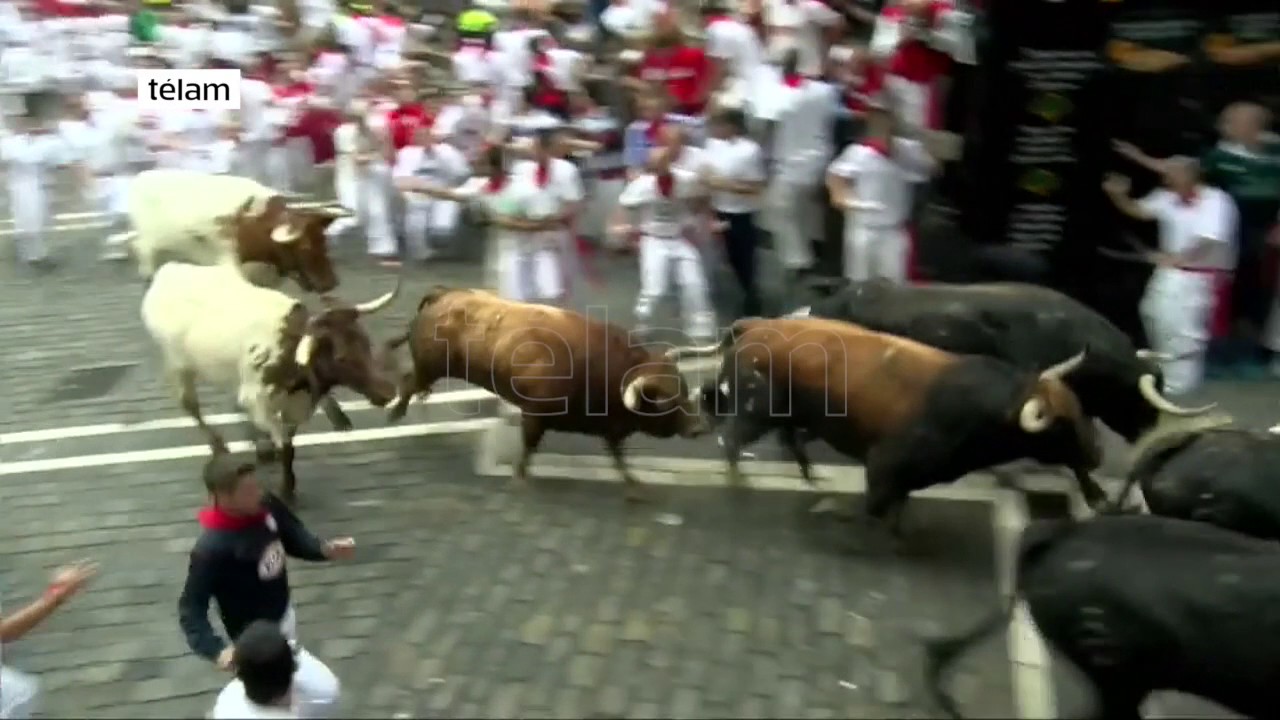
1225	476
1142	603
1029	326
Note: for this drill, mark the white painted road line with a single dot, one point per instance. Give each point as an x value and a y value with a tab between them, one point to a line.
85	431
195	451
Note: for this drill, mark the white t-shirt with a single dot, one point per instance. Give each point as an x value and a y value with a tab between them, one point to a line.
475	65
441	163
233	704
804	22
662	216
563	187
28	157
735	159
1211	215
514	45
735	44
886	181
804	133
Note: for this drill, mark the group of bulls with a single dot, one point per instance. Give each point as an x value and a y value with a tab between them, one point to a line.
921	384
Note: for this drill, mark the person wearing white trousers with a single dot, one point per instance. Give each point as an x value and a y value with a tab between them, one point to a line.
28	155
361	180
1192	268
20	692
663	198
873	181
429	220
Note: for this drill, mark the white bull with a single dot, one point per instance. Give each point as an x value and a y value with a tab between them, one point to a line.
181	215
213	325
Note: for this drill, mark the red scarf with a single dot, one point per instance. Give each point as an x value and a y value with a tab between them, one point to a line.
793	81
1188	199
881	147
215	518
496	182
666	183
652	132
542	174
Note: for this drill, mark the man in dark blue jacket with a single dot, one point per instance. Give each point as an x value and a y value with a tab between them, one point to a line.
239	561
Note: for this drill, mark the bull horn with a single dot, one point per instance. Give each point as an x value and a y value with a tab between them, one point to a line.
703	351
285	234
1147	386
376	304
1153	355
333	211
1062	369
1033	418
302	354
631	395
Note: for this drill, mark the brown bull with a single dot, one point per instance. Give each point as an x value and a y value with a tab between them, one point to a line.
915	415
285	242
563	370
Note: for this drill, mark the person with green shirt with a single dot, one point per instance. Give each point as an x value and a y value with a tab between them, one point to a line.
1246	164
144	23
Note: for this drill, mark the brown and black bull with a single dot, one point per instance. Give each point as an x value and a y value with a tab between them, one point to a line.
1029	326
562	370
1141	603
1225	475
915	415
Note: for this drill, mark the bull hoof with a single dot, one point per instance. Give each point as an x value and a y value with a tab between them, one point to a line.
396	414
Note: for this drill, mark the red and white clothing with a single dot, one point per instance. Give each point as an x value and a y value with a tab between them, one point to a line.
404	121
513	43
803	112
917	48
524	269
289	158
1179	302
427	220
877	242
736	47
685	71
479	66
383	40
663	204
800	25
365	187
467	122
549	189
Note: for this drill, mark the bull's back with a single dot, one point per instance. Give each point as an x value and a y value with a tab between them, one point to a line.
1165	594
177	210
205	319
873	378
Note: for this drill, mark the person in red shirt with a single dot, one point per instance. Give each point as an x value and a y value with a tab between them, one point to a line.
683	69
407	117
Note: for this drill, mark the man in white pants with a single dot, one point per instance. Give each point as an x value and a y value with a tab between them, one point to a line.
872	181
19	691
429	162
239	562
1193	266
663	197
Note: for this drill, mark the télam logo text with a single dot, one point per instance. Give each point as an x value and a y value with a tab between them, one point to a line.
189	89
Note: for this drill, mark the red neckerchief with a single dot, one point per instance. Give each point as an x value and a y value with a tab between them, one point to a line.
793	81
652	132
496	182
1188	199
542	174
215	518
717	18
666	183
881	147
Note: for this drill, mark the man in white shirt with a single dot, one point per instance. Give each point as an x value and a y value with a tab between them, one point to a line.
872	182
1193	266
802	25
553	188
802	113
735	50
264	663
430	162
733	168
663	198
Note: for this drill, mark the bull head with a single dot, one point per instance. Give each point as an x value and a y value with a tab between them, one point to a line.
336	350
302	247
668	396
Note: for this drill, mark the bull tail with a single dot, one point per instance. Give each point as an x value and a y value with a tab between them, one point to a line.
941	652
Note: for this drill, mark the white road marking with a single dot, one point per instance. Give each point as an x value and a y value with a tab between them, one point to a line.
84	431
169	423
1033	691
194	451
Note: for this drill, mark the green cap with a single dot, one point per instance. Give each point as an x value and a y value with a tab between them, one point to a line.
477	21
